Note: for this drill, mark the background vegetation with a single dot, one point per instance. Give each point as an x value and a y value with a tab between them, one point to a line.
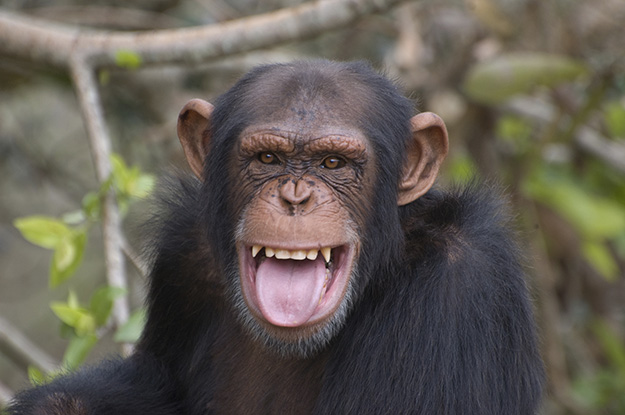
533	94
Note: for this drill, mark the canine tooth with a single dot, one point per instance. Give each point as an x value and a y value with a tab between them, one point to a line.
312	254
269	252
298	255
326	253
255	250
283	254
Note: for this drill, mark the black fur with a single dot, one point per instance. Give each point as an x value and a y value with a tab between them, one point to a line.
441	321
137	385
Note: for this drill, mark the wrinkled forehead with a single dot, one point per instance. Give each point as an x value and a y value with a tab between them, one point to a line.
309	98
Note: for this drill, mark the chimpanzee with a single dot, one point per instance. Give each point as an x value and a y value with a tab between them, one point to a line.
310	268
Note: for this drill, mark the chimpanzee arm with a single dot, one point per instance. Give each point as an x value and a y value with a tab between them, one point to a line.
133	386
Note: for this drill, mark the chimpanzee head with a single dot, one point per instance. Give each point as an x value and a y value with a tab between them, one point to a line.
305	166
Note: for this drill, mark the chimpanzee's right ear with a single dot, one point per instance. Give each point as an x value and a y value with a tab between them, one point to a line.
194	133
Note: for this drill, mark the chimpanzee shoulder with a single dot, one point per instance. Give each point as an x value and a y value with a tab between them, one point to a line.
184	280
454	316
460	220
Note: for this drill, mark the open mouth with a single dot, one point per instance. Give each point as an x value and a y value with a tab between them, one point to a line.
295	287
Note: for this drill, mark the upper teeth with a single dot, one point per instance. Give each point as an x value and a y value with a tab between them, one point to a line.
297	254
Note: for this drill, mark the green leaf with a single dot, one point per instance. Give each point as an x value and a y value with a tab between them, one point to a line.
131	331
85	325
129	181
498	79
127	59
67	257
614	114
78	317
72	300
43	231
65	331
78	350
106	186
599	256
102	303
92	205
119	167
64	254
142	186
122	175
595	217
36	377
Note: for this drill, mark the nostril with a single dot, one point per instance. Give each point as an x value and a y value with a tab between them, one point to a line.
296	192
301	200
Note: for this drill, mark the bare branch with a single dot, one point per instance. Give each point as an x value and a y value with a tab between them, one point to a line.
611	152
134	258
53	43
5	394
21	350
88	96
125	18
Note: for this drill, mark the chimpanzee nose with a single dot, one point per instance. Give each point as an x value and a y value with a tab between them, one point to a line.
296	192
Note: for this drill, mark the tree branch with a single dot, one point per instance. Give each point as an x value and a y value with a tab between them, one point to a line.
54	43
100	142
21	350
5	394
135	260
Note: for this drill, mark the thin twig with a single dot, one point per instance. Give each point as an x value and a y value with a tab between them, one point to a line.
100	142
17	347
5	394
135	260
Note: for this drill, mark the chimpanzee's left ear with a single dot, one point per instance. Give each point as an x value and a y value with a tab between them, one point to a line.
194	132
426	152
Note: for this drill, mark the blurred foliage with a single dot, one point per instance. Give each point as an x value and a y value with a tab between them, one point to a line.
596	219
67	238
591	208
500	78
589	196
615	119
604	389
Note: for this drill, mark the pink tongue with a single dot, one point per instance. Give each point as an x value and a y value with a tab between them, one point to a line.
289	291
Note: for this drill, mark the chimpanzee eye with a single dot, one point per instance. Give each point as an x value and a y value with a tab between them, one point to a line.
332	163
267	157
